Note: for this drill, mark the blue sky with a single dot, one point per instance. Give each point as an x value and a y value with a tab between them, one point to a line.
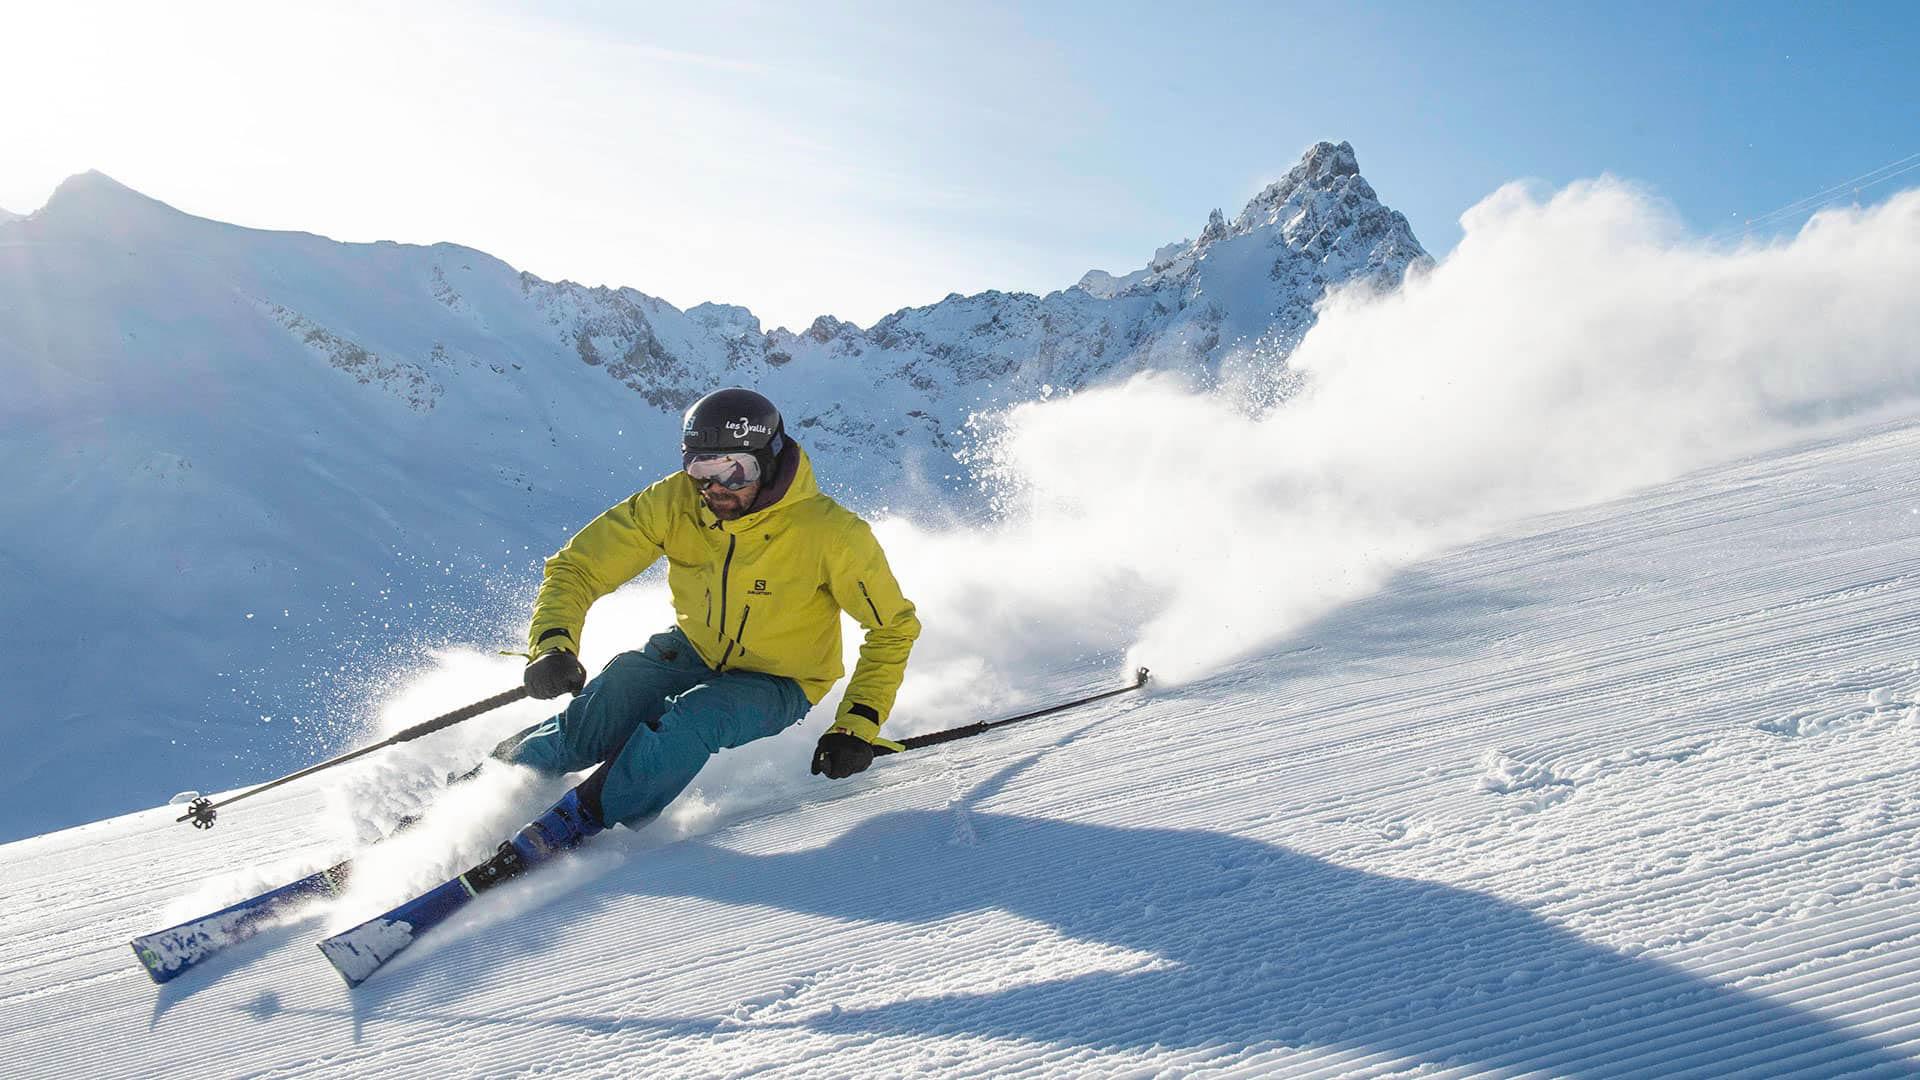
857	158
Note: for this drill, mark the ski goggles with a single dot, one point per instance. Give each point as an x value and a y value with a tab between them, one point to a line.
731	471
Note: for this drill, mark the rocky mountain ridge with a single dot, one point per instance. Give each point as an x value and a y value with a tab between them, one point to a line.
1229	306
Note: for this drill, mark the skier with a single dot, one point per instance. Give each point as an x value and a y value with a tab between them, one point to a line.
760	564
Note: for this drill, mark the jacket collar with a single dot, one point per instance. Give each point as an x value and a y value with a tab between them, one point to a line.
786	468
793	483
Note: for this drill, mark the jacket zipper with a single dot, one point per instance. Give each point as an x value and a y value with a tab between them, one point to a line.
725	569
709	606
738	639
875	610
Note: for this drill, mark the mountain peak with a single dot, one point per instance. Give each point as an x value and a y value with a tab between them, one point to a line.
1216	228
1330	160
93	184
1326	169
95	202
727	320
1321	204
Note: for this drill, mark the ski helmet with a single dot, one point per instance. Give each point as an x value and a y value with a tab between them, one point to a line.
734	419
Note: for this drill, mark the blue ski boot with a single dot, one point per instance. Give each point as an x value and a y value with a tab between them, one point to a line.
561	828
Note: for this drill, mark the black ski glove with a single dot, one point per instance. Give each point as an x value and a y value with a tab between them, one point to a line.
554	673
840	755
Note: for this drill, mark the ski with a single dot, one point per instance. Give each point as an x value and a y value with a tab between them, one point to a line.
359	952
169	953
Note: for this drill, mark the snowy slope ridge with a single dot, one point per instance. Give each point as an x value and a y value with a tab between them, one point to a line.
1624	790
254	474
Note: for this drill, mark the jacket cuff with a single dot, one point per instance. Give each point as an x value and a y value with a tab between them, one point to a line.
858	720
550	640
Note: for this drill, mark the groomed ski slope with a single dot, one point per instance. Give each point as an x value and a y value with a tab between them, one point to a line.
1629	790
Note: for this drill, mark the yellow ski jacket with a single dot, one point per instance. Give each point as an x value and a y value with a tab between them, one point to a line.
763	592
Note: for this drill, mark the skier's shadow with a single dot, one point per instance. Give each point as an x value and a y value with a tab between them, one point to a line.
1261	947
209	972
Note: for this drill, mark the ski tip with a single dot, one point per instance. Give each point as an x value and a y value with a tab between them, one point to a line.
156	968
352	980
359	952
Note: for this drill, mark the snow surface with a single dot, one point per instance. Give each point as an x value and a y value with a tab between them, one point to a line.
1620	790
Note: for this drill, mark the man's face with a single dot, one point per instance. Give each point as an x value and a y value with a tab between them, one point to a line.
728	505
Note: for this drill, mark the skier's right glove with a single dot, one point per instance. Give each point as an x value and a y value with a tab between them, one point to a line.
554	673
839	755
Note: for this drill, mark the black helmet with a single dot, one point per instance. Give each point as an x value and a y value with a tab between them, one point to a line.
734	419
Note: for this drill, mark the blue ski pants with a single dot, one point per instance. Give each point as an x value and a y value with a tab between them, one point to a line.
656	716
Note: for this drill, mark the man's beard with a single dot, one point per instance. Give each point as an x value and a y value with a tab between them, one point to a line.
734	507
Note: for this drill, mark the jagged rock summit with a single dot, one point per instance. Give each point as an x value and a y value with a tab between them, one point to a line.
1323	209
1228	307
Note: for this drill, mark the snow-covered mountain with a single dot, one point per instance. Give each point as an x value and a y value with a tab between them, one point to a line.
251	474
7	215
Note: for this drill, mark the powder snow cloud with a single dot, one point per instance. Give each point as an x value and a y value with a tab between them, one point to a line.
1576	345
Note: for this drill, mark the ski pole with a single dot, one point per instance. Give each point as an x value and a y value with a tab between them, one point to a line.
968	731
201	811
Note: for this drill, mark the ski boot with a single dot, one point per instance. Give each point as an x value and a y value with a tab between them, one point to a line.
561	828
